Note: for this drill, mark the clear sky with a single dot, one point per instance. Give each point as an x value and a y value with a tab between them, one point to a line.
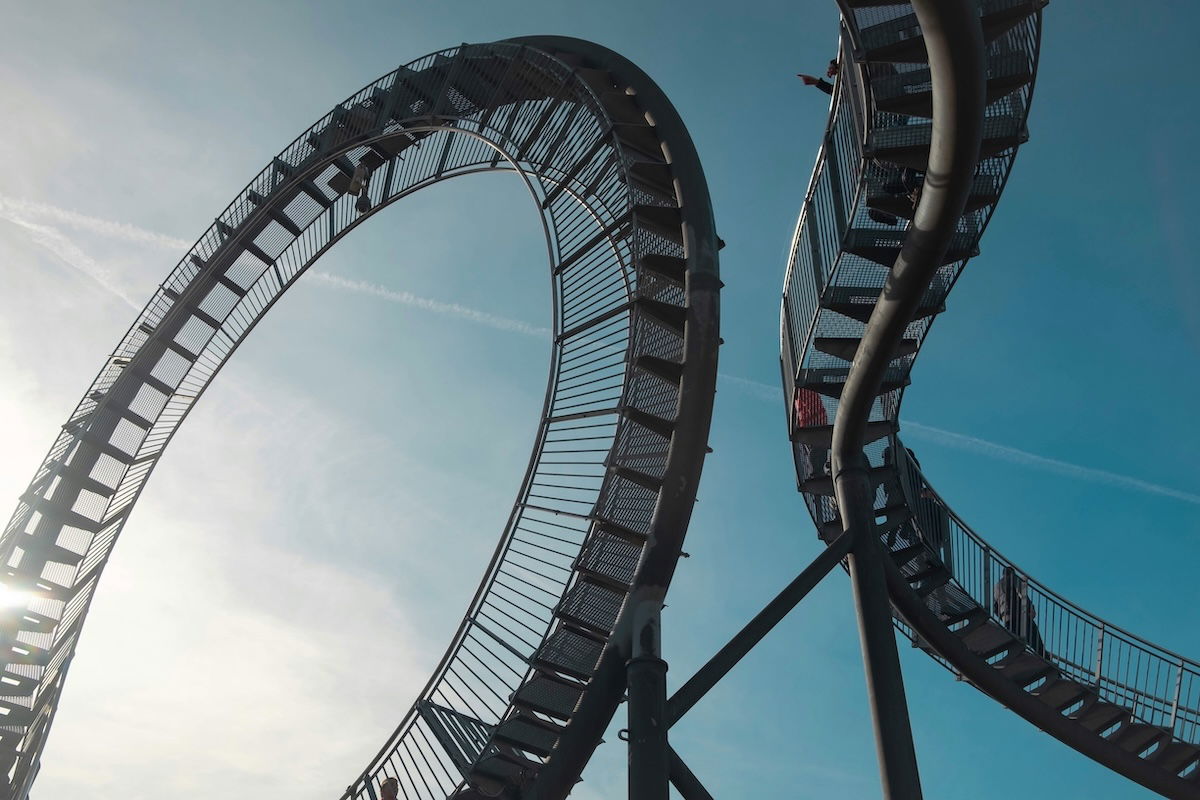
299	559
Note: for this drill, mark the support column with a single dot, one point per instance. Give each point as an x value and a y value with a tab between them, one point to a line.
649	755
881	661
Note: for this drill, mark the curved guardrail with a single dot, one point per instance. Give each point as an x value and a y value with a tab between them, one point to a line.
1160	688
632	253
1119	699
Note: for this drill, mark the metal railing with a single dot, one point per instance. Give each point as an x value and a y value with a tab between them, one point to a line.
456	112
1158	687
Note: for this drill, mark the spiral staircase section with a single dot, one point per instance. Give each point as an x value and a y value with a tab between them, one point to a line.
613	473
1119	699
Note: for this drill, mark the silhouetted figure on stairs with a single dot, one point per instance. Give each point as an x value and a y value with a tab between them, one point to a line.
1011	601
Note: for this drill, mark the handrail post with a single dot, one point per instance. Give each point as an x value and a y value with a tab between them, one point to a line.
986	598
1099	653
1175	700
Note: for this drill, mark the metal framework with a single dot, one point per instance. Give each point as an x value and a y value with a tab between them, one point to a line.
1122	701
610	485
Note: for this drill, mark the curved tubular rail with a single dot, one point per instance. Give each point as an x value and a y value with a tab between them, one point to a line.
954	48
631	380
1128	704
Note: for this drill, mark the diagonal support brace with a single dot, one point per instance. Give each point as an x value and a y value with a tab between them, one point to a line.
728	656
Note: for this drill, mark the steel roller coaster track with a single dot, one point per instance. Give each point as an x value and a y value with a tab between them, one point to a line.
608	493
926	117
863	287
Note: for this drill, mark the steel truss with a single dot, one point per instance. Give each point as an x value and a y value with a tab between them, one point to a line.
609	489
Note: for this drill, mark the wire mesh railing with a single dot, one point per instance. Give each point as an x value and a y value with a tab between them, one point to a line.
451	113
1158	687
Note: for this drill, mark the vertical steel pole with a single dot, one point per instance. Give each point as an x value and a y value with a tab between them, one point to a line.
954	46
649	755
881	661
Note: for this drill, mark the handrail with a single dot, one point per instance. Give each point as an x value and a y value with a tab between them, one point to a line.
1074	630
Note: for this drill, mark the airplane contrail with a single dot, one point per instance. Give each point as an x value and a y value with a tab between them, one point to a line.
19	213
960	441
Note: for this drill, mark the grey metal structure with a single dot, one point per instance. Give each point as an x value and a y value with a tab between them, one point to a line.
854	305
608	493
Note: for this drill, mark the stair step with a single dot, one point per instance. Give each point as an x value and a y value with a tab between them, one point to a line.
549	695
570	653
845	347
1025	667
528	734
1060	693
930	580
835	388
858	302
1137	737
669	371
667	315
668	268
886	519
654	178
899	40
883	246
908	145
904	555
1176	756
609	558
1099	715
645	480
591	606
664	221
822	485
822	435
908	92
640	140
971	618
988	639
652	422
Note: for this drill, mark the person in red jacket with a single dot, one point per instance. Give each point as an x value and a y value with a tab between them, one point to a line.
808	411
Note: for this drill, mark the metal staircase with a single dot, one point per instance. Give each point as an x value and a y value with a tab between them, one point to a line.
622	433
1120	700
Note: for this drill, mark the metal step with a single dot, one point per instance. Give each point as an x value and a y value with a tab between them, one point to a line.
846	347
591	606
1061	693
548	695
1176	756
1025	667
570	653
528	734
822	435
988	639
1137	737
908	145
883	246
909	92
857	302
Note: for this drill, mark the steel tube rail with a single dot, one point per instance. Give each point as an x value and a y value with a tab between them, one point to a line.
954	43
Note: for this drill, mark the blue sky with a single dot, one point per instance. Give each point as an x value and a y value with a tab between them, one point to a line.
300	557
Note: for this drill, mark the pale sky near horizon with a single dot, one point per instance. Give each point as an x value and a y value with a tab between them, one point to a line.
301	555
